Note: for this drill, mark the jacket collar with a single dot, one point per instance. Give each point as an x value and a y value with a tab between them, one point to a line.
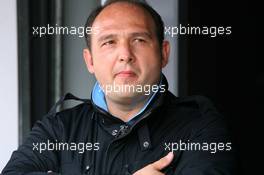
99	101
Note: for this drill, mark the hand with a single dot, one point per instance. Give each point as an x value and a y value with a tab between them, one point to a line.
156	167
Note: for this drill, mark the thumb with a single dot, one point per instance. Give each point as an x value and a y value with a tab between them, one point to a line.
163	162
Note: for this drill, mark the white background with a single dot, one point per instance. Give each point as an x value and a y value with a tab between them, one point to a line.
8	80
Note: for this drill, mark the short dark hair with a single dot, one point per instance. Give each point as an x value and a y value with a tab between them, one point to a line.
140	3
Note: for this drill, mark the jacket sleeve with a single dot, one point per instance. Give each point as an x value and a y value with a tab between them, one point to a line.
217	154
33	156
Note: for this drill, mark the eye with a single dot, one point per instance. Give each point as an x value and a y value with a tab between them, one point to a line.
140	40
110	42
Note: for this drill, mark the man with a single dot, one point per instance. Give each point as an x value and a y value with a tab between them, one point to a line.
132	123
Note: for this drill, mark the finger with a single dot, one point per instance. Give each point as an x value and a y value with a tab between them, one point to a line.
163	162
148	172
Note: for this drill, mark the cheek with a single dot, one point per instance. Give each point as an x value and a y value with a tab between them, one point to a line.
102	60
103	67
152	60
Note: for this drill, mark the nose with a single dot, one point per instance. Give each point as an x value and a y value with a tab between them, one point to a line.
125	53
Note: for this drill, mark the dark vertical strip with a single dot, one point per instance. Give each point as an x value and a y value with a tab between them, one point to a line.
183	50
39	59
58	53
23	69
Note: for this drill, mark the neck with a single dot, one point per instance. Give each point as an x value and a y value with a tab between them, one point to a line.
126	109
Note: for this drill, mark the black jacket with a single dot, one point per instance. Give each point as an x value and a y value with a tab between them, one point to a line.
113	147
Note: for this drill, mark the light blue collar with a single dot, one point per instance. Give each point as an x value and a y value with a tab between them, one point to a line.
98	98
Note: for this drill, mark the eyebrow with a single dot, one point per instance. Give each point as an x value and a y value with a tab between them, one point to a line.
135	34
106	37
145	34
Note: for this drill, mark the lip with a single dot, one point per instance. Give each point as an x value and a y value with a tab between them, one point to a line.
127	73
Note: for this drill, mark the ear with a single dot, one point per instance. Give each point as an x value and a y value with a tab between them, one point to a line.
88	60
165	53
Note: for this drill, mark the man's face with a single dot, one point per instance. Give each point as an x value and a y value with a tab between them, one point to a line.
125	50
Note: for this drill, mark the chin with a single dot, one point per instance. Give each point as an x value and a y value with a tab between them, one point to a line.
126	96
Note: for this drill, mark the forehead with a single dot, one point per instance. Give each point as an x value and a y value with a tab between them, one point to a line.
124	16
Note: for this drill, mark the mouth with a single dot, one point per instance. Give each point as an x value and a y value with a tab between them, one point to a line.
126	74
